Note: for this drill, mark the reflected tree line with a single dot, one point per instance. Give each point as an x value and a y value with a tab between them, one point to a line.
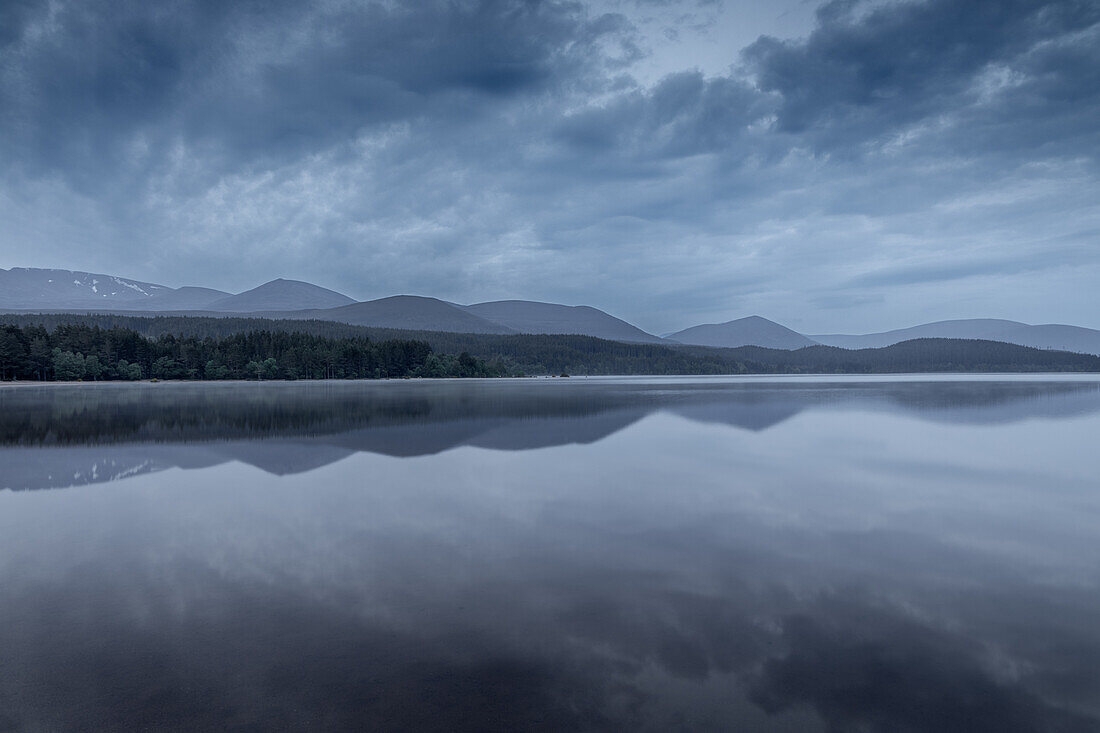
174	413
146	413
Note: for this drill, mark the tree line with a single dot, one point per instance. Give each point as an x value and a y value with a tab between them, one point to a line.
88	352
538	354
516	355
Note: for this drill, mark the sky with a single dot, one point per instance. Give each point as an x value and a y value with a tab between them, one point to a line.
843	166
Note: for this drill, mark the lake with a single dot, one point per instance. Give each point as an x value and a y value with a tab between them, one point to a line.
778	554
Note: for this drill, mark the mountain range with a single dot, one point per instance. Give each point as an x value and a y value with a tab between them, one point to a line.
40	290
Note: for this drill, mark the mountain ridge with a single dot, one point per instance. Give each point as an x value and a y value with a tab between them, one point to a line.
32	287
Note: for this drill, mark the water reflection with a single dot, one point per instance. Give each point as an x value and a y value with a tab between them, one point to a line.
292	428
773	556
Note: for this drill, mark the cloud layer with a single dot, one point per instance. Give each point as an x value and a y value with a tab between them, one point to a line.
932	159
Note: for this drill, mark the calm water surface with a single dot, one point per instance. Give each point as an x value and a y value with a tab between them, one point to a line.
794	554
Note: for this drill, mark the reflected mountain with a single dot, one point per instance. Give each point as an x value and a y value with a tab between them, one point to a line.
98	433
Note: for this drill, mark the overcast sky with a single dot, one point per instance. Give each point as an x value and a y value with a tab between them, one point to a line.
849	166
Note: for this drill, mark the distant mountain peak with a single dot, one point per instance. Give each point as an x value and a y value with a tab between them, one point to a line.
281	294
751	330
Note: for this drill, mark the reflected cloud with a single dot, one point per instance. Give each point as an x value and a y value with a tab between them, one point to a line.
536	639
858	665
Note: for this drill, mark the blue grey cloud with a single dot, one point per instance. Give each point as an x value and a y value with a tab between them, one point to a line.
263	81
863	75
506	148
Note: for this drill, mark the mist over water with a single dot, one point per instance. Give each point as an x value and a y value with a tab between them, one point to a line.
885	554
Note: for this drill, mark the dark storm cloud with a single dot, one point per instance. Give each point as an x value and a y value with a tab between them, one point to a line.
100	83
1015	76
443	61
860	76
82	78
265	81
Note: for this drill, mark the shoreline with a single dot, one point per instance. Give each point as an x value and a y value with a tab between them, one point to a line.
821	377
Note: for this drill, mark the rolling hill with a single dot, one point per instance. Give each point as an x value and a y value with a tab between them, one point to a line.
525	316
1047	336
750	331
281	295
407	312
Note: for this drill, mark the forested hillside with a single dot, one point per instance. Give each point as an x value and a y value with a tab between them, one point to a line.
75	352
524	354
